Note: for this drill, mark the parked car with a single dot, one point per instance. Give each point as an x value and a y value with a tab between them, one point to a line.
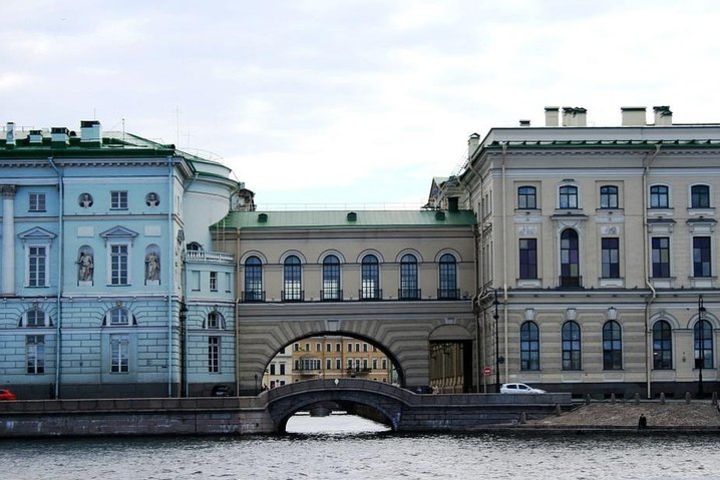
221	391
6	394
519	388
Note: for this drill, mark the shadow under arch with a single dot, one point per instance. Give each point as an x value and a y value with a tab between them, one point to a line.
392	358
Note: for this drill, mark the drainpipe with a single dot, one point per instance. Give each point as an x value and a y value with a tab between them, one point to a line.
170	260
646	267
61	254
237	310
505	285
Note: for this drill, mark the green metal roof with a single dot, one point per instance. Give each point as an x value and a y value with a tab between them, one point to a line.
339	219
713	143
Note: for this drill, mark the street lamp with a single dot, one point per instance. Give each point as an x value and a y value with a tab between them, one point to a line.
497	342
700	361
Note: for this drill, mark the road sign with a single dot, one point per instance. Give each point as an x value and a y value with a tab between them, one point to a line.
487	371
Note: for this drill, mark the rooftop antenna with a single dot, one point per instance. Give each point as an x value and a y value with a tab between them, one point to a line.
177	125
94	114
123	129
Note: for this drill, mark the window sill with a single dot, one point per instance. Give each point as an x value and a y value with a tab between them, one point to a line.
660	212
610	210
528	283
611	282
37	286
701	212
119	285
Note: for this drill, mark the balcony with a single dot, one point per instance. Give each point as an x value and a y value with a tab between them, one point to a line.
448	294
370	294
331	295
208	257
355	371
570	282
253	296
292	295
409	294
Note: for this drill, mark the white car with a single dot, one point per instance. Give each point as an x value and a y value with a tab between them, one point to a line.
519	388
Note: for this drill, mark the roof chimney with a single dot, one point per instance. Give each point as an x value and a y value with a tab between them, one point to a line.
90	132
60	136
551	116
10	135
574	117
35	137
663	116
633	116
524	123
473	143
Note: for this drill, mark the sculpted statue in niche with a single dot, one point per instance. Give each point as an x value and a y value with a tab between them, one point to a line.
152	267
152	199
86	200
85	266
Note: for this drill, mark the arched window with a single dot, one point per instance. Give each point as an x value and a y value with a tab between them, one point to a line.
448	278
409	278
568	197
612	346
292	275
571	347
370	278
608	196
662	345
569	259
529	346
331	279
659	196
35	318
700	196
253	280
194	247
215	321
704	343
527	198
118	316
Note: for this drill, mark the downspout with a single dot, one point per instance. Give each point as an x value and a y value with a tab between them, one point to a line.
646	267
237	310
61	254
170	260
505	285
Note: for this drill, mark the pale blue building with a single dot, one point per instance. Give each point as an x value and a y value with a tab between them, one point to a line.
95	299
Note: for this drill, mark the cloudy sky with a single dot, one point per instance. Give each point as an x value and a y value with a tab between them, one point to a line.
344	101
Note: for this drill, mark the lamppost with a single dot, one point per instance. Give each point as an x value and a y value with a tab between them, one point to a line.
497	343
700	361
256	384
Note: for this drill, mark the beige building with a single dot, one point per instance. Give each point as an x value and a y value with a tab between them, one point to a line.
600	242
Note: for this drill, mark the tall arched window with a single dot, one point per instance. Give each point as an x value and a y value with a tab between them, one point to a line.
662	345
292	275
409	278
704	343
571	347
612	346
370	278
700	196
568	197
529	346
569	259
253	280
331	279
448	278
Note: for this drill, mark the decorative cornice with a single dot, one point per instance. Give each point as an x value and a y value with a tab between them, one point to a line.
8	191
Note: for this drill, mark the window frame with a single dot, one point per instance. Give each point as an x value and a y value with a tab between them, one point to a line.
529	346
214	353
528	269
702	257
292	279
37	202
612	346
658	269
607	197
34	354
708	344
697	196
447	277
331	278
34	271
253	279
118	200
370	277
524	197
110	264
654	198
566	193
570	269
662	340
409	283
571	338
609	269
119	356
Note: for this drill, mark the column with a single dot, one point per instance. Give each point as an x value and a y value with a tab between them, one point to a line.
8	239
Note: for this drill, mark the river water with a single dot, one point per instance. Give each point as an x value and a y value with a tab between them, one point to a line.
347	447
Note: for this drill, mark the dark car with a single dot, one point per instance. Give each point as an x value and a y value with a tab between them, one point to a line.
221	391
6	394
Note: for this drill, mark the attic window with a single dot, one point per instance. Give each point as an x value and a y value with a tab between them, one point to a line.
352	217
262	218
440	216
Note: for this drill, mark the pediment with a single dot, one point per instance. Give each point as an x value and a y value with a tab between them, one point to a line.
119	232
36	233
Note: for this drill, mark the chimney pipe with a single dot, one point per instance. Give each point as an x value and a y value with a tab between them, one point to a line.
60	136
633	116
10	135
574	117
90	132
551	116
663	116
35	137
473	143
524	123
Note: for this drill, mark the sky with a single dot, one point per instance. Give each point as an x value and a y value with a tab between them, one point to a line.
323	103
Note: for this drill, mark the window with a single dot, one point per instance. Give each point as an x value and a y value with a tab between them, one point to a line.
328	347
213	281
118	200
529	346
384	364
659	196
253	280
365	347
612	346
569	259
119	316
214	355
568	197
375	363
282	369
119	346
292	272
608	196
214	321
370	278
349	363
272	367
700	196
409	278
349	347
703	333
328	364
37	202
610	257
365	364
297	347
119	265
331	278
228	283
35	354
338	364
338	348
527	198
662	345
37	266
318	348
571	351
35	318
661	257
448	278
701	257
528	258
357	347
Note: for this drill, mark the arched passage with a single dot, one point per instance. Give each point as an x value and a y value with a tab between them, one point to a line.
451	359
